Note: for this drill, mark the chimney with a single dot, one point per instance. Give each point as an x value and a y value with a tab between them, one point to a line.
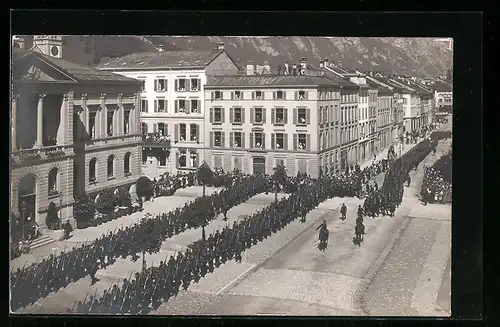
325	62
267	68
220	46
321	63
250	68
339	64
161	48
287	68
303	63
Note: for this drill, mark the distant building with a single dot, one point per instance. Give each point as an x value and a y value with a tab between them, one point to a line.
254	123
443	96
172	102
74	129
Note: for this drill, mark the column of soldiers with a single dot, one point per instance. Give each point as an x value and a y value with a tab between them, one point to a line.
167	184
148	289
385	200
55	272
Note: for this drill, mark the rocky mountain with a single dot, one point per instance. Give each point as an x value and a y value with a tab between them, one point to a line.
412	56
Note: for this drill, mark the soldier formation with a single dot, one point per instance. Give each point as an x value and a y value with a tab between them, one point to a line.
436	186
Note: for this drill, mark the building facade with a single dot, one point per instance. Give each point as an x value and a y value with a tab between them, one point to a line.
172	104
255	123
385	118
373	136
74	130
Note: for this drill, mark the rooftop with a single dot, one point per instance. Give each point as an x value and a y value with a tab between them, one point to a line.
441	86
79	73
165	59
269	80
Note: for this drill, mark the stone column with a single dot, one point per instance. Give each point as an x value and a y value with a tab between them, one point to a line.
119	128
103	118
62	133
14	122
85	119
39	120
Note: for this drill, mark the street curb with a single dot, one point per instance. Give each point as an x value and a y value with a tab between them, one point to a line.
359	293
262	263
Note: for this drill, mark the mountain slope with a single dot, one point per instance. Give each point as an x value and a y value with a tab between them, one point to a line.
412	56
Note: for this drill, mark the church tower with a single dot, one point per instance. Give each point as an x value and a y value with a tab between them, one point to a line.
50	45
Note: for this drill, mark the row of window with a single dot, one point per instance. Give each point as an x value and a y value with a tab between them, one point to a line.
111	161
279	116
112	126
279	141
181	84
258	164
383	119
349	97
260	95
184	158
160	105
328	114
349	114
182	132
385	102
328	138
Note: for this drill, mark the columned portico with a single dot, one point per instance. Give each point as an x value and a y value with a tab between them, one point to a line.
39	121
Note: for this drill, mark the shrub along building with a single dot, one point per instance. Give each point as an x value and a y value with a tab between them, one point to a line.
74	130
255	123
172	103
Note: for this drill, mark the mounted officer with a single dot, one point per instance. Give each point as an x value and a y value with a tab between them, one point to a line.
323	236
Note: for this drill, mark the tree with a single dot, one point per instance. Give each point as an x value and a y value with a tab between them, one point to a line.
144	187
84	208
279	179
124	198
52	221
106	202
204	175
449	75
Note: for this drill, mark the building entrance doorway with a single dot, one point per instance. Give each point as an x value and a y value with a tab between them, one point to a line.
26	227
259	165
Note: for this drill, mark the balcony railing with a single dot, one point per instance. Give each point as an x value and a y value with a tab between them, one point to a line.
37	154
156	140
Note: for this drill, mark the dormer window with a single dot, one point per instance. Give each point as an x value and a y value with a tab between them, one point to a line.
258	95
302	95
280	95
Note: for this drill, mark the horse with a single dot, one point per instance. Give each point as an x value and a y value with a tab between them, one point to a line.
359	231
323	239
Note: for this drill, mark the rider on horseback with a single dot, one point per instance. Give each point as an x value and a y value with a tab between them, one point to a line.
323	236
343	211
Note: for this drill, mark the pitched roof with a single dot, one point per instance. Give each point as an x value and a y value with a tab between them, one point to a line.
81	74
441	87
165	59
337	79
268	81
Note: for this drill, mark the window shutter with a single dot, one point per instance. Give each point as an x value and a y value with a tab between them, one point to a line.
273	143
306	95
156	106
242	140
198	133
223	139
263	140
199	85
243	115
296	95
274	95
176	133
188	85
251	140
197	160
223	115
176	85
231	115
177	159
232	95
308	116
273	116
211	115
285	141
155	128
295	115
253	95
295	141
211	139
252	115
187	106
285	116
165	106
264	115
176	106
198	105
231	139
213	95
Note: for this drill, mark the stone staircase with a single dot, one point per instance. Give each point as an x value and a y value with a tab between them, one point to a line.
41	241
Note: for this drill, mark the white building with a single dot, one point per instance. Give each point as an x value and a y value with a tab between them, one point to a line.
173	103
443	96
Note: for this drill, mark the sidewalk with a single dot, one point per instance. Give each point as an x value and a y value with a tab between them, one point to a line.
383	154
79	236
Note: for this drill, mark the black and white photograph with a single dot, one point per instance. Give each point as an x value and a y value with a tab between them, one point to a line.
231	175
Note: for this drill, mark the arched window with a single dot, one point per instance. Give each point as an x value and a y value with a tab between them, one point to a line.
111	166
53	181
92	170
126	163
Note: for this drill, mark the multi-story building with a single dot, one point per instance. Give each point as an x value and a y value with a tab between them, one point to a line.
443	96
411	104
254	123
373	136
172	102
74	129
